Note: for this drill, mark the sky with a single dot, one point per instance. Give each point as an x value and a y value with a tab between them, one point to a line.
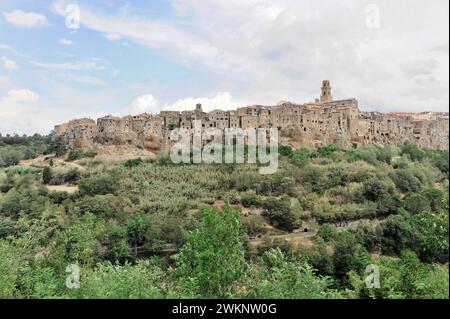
67	59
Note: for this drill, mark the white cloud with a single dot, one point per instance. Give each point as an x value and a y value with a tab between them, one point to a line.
145	103
281	50
68	66
90	80
64	41
4	46
40	115
20	96
221	100
23	19
180	45
113	36
8	63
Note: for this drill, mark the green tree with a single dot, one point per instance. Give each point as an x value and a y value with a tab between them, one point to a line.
301	157
212	260
278	276
416	203
413	151
279	213
97	185
47	175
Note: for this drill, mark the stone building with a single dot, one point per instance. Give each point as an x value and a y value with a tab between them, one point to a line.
319	123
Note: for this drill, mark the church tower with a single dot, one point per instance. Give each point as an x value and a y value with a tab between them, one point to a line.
326	92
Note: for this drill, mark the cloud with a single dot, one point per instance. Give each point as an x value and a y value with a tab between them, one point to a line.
221	100
28	113
68	66
90	80
21	19
113	36
179	45
20	96
64	41
4	46
282	50
145	104
8	63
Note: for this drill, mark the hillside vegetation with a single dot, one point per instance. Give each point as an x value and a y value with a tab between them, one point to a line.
147	228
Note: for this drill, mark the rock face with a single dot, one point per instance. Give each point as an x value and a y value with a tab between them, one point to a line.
315	124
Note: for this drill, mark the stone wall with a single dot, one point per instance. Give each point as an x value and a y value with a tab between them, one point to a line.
312	124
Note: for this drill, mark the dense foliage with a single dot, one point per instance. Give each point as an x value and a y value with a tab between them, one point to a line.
147	228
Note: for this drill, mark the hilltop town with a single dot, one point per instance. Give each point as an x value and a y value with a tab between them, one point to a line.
322	122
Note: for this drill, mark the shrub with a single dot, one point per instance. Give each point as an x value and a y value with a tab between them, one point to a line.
97	185
405	181
254	223
301	157
413	152
249	200
47	175
99	205
58	197
133	162
416	203
279	214
79	154
72	175
327	232
285	150
382	193
435	197
328	150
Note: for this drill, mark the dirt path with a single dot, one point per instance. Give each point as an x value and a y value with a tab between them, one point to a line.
44	160
63	188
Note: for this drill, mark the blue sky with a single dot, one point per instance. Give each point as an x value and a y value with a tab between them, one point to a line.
136	56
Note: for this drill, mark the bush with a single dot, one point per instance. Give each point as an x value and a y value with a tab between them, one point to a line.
99	205
327	232
58	197
301	157
133	162
97	185
254	223
249	200
279	214
285	150
328	150
313	177
405	181
435	197
79	154
47	175
382	193
413	152
416	203
72	175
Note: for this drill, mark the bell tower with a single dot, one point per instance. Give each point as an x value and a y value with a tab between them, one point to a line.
326	92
